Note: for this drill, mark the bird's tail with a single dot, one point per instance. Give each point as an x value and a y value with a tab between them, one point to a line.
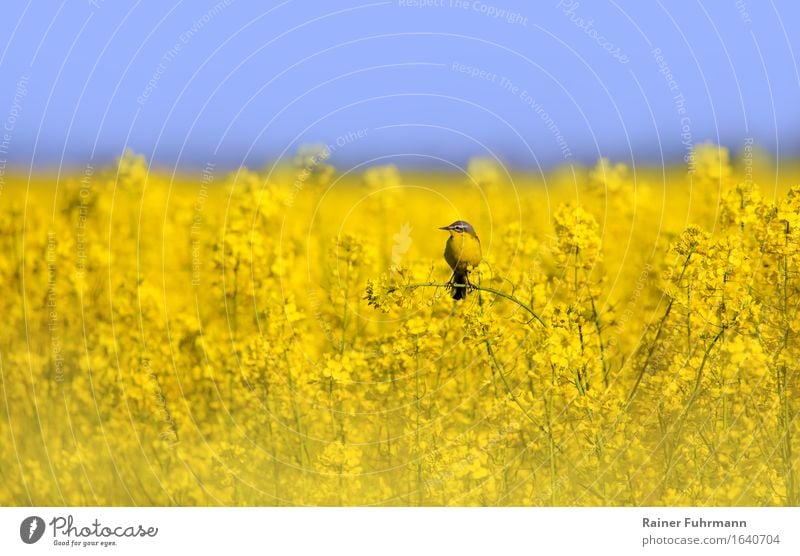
459	284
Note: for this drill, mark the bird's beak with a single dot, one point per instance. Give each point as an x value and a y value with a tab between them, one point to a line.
447	228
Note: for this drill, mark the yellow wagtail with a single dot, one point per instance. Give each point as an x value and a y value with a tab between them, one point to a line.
462	252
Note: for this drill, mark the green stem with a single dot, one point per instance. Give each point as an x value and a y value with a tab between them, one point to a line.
474	287
492	356
681	421
597	326
658	335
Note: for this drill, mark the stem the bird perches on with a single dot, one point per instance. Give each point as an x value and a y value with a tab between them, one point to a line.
474	287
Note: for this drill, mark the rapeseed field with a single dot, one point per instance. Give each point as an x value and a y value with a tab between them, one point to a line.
284	336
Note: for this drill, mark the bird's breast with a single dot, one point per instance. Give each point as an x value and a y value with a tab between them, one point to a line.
462	251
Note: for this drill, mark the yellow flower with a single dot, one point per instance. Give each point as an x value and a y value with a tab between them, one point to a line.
249	352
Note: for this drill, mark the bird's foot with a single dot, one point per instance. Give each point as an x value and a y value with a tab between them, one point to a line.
463	286
451	285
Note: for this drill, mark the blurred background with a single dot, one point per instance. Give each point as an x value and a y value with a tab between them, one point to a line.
428	83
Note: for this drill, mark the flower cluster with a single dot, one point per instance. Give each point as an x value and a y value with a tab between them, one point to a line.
281	338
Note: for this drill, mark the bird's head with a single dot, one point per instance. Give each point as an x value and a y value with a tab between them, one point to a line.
460	227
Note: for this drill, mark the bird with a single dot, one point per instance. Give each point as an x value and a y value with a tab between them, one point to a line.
462	252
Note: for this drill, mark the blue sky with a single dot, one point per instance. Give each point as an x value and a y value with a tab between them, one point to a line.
431	82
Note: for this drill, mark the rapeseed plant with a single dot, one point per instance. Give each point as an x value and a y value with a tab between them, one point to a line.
285	337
